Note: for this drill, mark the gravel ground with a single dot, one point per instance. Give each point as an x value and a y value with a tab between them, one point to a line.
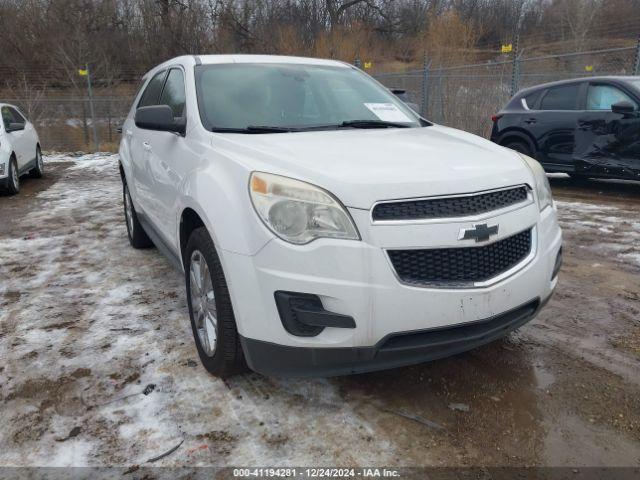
99	365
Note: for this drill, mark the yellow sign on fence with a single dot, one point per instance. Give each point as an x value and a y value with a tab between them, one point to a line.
507	48
589	68
83	73
367	65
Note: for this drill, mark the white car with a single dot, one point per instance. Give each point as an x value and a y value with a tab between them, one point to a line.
323	227
19	149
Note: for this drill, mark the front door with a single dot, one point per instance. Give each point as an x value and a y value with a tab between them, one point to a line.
167	161
141	151
608	143
19	138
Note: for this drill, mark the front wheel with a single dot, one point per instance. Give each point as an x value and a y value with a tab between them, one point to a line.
38	170
13	179
212	319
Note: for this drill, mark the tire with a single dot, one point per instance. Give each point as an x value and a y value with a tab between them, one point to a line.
13	179
518	146
38	170
138	238
212	320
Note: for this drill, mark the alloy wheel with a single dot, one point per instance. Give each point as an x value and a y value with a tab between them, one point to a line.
203	303
14	177
128	210
39	160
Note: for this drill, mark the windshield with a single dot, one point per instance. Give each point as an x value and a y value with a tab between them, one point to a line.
291	96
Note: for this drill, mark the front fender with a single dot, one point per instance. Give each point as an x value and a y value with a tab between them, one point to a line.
219	194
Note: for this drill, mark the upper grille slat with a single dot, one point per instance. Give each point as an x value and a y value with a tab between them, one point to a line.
462	265
449	207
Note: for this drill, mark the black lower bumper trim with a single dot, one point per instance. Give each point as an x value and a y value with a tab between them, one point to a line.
393	351
302	314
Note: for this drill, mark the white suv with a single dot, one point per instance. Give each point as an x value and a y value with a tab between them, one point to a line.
323	227
19	149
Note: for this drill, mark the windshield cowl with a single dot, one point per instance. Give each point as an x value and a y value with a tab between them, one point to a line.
355	124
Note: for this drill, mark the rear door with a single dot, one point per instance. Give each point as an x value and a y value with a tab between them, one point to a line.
608	143
556	122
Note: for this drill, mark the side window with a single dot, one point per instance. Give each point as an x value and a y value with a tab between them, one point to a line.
17	116
561	98
173	93
532	99
602	97
152	92
7	117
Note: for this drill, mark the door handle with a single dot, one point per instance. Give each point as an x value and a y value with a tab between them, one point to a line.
146	146
530	121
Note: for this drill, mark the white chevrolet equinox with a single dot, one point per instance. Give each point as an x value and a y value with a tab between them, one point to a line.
323	227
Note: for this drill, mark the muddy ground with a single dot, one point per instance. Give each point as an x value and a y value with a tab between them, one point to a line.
99	367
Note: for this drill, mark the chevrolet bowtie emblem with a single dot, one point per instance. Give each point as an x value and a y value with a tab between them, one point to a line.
481	232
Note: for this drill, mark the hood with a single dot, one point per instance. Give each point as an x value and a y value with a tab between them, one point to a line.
361	167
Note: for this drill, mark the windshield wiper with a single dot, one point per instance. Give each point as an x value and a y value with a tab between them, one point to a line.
373	124
254	129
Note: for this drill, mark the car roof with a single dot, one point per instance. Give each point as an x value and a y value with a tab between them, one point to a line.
214	59
542	86
242	58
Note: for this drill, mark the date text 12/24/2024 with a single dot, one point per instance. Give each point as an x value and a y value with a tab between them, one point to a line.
315	473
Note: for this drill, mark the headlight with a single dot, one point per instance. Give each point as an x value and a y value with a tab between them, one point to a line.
299	212
543	189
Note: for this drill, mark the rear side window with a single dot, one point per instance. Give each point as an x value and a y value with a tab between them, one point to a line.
152	92
602	97
173	93
532	99
561	98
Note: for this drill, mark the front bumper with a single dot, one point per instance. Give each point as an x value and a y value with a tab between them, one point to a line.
356	279
396	350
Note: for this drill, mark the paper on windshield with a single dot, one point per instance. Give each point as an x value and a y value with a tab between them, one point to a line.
387	112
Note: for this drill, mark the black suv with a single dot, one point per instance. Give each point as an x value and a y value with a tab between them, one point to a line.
587	127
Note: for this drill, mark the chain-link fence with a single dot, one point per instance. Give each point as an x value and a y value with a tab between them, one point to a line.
64	123
466	96
462	96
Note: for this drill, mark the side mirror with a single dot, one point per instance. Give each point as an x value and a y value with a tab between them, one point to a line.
159	117
15	127
623	108
401	93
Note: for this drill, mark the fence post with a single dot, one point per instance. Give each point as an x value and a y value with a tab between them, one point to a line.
92	110
636	67
425	87
515	69
358	63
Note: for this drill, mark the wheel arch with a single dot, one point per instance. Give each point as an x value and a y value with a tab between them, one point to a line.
519	135
190	220
123	177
